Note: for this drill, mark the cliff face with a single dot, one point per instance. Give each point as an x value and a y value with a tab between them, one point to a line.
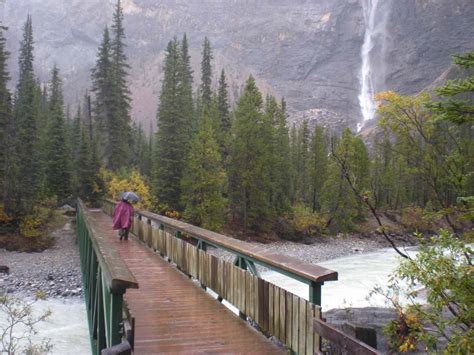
306	51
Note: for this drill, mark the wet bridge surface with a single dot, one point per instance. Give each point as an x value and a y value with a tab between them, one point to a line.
174	314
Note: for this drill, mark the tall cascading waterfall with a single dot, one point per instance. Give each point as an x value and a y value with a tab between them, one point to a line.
366	95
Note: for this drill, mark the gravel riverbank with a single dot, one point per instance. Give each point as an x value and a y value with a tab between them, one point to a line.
54	272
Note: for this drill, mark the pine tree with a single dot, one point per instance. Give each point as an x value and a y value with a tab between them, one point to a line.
224	115
58	163
206	73
5	107
317	167
171	148
457	106
119	129
302	163
204	179
102	89
185	94
349	160
248	178
282	162
112	96
25	177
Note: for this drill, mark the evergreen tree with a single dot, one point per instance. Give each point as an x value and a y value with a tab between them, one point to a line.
248	178
58	163
171	148
204	179
85	167
317	167
5	107
224	115
206	73
457	106
294	164
185	94
302	163
349	161
112	96
282	162
119	128
25	138
102	89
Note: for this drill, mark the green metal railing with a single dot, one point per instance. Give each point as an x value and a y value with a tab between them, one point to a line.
106	280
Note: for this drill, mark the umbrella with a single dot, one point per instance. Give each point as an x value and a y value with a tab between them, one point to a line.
131	196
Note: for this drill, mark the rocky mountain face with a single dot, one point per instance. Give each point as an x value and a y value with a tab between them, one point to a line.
308	51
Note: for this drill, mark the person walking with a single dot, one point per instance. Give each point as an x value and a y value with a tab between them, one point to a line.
122	217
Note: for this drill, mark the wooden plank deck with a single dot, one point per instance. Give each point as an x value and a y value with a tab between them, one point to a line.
174	314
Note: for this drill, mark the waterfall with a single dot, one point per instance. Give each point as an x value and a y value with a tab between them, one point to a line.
366	96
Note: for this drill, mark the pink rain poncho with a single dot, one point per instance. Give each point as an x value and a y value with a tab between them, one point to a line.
123	214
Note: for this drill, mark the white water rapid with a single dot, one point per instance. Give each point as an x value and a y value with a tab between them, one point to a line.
366	95
358	275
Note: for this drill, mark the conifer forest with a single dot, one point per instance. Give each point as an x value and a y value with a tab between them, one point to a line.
241	166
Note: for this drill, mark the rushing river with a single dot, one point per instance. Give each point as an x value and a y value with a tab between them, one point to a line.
66	328
358	275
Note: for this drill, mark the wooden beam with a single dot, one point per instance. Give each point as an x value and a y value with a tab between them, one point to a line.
345	342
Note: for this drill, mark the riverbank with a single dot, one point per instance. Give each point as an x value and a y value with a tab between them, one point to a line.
54	272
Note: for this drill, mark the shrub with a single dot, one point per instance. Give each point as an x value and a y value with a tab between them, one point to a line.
32	225
416	219
115	184
443	266
19	326
302	223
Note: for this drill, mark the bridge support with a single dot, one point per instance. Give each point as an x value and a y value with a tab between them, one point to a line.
315	292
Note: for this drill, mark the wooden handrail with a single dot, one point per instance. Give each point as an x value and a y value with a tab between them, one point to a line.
302	271
117	276
343	341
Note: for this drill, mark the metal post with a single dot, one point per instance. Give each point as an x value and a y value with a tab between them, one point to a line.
315	292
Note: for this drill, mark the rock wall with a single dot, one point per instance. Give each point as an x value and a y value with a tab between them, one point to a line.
306	51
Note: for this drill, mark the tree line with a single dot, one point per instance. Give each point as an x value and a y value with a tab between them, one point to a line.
218	164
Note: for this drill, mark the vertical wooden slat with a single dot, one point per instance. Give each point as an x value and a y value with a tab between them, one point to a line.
141	229
257	300
309	329
154	238
295	322
317	338
302	326
282	316
265	307
271	318
243	290
148	234
248	294
288	318
276	311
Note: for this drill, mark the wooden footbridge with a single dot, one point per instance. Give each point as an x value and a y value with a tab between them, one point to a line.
151	294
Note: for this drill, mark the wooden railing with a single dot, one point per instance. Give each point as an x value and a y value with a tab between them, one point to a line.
277	312
106	278
339	342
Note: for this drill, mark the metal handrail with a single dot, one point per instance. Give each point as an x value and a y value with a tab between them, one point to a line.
105	277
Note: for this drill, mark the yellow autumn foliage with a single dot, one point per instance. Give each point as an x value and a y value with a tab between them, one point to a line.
4	217
115	185
30	226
